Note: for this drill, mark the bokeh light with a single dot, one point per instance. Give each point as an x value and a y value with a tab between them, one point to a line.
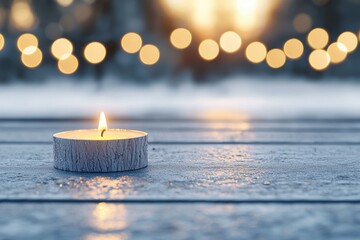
293	48
95	52
337	52
180	38
275	58
319	59
61	48
149	54
302	22
68	65
209	18
32	60
230	42
318	38
27	41
350	41
2	41
21	15
256	52
64	3
131	42
209	49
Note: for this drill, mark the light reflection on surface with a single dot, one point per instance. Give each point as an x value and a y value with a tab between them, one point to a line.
209	18
109	217
223	114
239	120
100	187
110	220
121	236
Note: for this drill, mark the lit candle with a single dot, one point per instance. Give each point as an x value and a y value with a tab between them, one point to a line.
100	150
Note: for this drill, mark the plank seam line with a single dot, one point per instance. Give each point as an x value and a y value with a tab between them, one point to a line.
204	143
182	201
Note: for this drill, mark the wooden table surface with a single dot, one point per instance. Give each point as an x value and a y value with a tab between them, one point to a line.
256	179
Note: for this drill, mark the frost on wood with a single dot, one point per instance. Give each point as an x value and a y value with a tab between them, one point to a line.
100	156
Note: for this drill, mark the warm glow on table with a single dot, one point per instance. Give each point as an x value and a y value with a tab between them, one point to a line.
149	54
95	52
180	38
208	49
230	42
131	42
256	52
62	48
93	134
318	38
275	58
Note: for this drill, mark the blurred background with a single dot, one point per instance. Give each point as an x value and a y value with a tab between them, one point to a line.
261	57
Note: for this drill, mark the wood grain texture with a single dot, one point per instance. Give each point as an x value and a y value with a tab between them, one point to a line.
191	172
100	156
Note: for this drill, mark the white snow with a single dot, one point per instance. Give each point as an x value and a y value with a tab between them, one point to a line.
254	97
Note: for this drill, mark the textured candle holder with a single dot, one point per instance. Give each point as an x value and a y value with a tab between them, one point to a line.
79	154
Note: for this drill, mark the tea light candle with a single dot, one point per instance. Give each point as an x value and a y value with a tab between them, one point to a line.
100	150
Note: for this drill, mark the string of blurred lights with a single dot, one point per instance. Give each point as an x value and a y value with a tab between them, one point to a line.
321	56
323	53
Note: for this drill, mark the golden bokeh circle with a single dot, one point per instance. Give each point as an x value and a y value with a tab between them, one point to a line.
337	52
319	59
181	38
256	52
2	41
149	54
61	48
208	49
27	40
68	65
95	52
32	60
318	38
131	42
230	42
276	58
350	41
293	48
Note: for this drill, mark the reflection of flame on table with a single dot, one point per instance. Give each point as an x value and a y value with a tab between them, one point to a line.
110	219
211	17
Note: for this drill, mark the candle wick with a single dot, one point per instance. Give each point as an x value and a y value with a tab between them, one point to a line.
102	132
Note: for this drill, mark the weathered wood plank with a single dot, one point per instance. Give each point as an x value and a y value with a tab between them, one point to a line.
178	221
192	171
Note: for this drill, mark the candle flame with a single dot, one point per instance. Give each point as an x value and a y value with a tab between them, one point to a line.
102	124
